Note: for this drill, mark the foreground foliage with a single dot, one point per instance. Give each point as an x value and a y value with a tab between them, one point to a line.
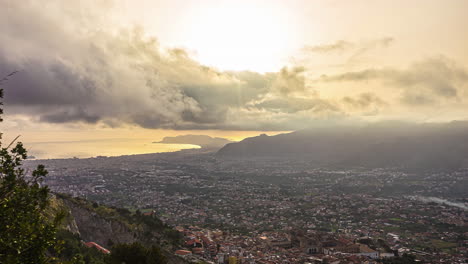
25	231
136	253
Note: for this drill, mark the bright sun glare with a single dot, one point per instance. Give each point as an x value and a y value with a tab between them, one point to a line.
240	36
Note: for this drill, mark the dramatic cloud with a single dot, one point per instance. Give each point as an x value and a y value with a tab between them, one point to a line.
77	65
76	68
423	82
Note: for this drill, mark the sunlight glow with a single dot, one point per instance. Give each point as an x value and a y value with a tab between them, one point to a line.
240	35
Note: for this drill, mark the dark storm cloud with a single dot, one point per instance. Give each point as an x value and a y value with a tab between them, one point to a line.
70	115
82	68
78	65
53	83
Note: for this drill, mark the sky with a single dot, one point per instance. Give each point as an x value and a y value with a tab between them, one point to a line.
134	71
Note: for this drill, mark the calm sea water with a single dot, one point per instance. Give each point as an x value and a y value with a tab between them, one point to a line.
92	148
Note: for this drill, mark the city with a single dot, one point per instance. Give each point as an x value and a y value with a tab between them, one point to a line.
250	210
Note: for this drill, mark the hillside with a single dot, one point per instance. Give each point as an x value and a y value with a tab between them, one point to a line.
378	145
106	226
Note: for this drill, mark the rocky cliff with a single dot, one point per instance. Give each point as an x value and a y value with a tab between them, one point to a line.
107	226
92	226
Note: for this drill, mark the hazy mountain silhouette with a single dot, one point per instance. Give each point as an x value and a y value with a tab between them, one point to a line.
203	141
379	144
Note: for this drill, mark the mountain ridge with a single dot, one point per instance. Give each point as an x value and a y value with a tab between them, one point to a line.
375	145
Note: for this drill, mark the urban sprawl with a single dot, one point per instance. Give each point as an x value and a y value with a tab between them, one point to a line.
272	211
